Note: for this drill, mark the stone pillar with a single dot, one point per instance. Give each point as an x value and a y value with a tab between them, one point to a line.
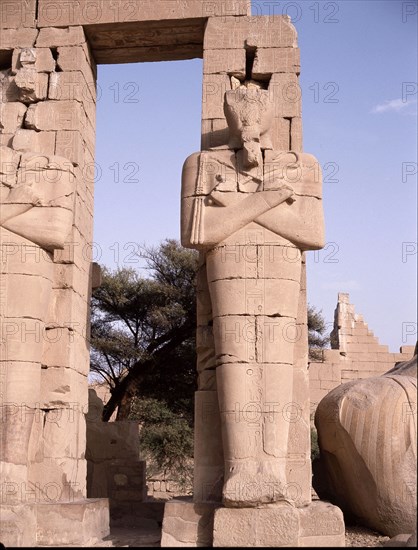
263	50
47	116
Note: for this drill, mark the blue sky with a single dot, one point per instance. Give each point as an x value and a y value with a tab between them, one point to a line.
359	101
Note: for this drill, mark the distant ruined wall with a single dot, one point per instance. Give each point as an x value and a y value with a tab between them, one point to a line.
356	354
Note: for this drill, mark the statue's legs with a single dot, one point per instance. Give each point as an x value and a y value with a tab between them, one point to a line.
254	290
26	283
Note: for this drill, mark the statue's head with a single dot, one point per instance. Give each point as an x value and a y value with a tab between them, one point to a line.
249	112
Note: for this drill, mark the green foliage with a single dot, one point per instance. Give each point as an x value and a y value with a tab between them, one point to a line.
142	330
318	338
166	439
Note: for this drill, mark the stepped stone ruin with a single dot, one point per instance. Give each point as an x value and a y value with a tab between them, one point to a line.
355	353
251	204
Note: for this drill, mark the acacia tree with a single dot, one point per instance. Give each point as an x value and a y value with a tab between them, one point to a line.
142	327
318	337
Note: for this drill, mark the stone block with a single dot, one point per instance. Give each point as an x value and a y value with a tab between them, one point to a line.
332	355
67	306
277	525
296	134
70	144
230	62
72	523
408	350
317	395
44	62
330	371
275	339
321	525
71	276
18	525
56	115
329	384
275	60
64	347
238	261
314	369
355	347
11	116
22	37
83	218
255	296
30	332
299	479
76	250
17	14
55	478
9	162
236	339
126	480
208	451
71	85
33	86
8	89
6	140
187	524
359	356
32	141
215	133
280	134
77	58
61	386
64	431
281	262
23	380
286	95
214	88
111	440
259	32
53	37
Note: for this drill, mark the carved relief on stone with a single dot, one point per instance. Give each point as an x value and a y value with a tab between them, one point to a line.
36	195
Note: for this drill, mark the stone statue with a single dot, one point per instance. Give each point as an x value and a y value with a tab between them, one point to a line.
36	197
367	431
251	211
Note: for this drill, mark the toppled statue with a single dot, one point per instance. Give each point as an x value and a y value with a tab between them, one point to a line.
251	211
367	432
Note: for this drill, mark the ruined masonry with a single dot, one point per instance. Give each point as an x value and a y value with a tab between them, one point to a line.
356	353
252	131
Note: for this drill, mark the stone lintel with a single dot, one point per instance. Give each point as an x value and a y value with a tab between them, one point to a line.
61	13
164	40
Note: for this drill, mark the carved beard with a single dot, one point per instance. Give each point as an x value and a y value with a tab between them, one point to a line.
252	154
251	147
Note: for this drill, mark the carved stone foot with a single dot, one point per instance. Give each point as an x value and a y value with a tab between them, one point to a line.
249	485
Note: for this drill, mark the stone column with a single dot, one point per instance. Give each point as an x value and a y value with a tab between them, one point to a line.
263	50
47	116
